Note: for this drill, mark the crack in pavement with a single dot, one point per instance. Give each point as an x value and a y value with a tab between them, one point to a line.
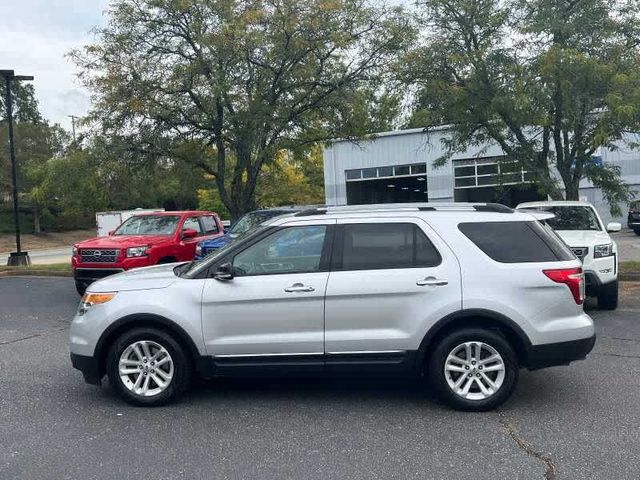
551	469
607	354
636	340
35	335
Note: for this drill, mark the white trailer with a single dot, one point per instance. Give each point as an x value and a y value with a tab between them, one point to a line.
109	221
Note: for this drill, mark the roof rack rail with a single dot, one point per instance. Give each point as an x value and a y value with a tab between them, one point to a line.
493	207
311	211
423	207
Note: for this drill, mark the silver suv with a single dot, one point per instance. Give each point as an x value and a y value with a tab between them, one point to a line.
465	294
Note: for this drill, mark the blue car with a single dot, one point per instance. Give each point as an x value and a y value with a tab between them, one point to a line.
246	224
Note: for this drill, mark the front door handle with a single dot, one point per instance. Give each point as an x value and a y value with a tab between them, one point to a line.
432	282
299	287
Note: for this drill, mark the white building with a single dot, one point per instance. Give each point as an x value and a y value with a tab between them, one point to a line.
399	166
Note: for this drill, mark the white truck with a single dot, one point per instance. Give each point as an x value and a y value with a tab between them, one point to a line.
581	228
108	221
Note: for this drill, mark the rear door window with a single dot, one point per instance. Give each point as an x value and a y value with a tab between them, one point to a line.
192	223
209	224
516	242
374	246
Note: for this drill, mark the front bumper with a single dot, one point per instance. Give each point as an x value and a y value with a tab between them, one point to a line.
563	353
593	284
90	275
90	272
89	366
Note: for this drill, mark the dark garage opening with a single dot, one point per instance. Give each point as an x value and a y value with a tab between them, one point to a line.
388	190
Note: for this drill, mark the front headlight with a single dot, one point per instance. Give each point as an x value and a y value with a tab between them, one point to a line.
137	251
91	299
198	250
74	251
600	251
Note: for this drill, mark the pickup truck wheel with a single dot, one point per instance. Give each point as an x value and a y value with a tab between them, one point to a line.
473	369
81	287
636	231
608	296
147	367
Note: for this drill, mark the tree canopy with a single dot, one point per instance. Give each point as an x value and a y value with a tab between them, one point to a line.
549	81
241	79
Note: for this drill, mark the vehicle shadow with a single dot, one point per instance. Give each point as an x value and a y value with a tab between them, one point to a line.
411	393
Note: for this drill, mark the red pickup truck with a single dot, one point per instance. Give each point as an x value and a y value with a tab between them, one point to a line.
143	240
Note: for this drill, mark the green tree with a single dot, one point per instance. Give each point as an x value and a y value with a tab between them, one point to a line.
24	103
70	189
550	81
292	179
36	141
242	79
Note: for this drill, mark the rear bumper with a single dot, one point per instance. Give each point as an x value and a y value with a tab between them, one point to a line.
563	353
89	367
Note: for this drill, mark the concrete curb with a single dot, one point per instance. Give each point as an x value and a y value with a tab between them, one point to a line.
34	273
629	277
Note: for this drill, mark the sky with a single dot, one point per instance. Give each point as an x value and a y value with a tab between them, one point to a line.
35	35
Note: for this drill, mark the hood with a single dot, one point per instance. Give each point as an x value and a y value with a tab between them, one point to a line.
218	242
123	241
584	238
145	278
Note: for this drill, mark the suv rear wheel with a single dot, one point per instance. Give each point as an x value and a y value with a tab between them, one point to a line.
473	369
148	367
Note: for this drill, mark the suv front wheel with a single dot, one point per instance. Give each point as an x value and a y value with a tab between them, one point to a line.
473	369
608	296
147	367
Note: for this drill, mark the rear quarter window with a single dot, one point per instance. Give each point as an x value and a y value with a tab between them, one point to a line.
516	242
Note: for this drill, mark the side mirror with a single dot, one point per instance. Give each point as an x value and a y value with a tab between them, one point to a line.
189	233
224	272
614	227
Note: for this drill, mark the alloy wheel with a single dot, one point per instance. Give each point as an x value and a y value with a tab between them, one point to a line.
474	370
146	368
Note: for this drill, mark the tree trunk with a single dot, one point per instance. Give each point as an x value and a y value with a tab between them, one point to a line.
571	188
36	221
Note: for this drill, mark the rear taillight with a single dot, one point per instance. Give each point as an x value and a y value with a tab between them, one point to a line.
572	278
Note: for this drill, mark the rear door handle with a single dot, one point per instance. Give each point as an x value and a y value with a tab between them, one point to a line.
432	282
299	287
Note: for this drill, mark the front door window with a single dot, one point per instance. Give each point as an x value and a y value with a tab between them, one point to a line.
290	250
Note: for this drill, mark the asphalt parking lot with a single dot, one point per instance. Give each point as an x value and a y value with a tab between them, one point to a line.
628	244
576	422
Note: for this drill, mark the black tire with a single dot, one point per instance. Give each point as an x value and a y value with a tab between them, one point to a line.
164	261
608	296
81	287
636	231
436	369
181	366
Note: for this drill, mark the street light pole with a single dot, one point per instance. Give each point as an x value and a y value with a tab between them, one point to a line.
18	257
73	126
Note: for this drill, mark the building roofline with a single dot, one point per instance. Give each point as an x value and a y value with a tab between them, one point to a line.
393	133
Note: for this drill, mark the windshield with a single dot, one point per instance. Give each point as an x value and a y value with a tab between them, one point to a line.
251	220
571	217
149	225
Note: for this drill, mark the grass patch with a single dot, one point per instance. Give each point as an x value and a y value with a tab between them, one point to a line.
629	267
63	269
